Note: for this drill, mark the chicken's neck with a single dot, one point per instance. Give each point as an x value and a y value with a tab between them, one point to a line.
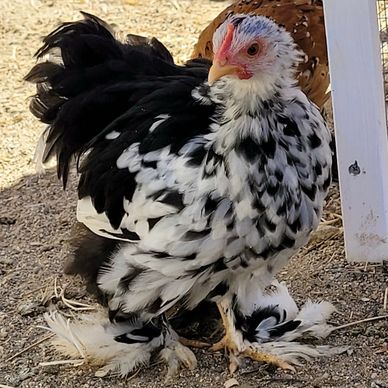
246	111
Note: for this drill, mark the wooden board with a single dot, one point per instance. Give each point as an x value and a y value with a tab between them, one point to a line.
360	125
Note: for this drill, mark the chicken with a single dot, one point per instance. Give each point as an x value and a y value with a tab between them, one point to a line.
197	182
304	20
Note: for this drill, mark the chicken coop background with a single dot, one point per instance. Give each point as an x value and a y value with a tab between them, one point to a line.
382	10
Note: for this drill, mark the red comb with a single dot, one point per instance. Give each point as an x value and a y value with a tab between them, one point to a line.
227	42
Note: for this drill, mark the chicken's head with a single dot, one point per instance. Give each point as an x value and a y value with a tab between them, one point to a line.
253	47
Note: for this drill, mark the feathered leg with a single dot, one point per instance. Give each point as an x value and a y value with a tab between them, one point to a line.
234	343
265	329
119	347
175	354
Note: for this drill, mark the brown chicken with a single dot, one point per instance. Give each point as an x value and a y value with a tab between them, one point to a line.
304	20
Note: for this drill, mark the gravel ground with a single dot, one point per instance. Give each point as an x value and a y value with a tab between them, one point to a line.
36	216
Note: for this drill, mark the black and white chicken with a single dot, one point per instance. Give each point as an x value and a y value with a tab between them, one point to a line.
201	181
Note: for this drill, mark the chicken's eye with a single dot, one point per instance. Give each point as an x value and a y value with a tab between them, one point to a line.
253	49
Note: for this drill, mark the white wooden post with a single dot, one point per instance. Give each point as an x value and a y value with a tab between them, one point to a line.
360	124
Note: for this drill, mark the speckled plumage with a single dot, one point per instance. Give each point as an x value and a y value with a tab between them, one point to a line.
208	190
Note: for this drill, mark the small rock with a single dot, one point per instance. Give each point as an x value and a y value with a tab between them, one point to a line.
47	248
373	375
51	369
6	260
231	383
371	331
3	334
356	332
30	308
15	381
7	220
25	373
378	384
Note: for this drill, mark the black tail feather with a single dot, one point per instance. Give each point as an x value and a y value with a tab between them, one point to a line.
82	52
85	83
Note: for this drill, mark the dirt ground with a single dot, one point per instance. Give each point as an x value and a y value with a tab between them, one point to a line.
36	216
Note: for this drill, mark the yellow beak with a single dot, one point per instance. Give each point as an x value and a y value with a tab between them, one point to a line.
218	70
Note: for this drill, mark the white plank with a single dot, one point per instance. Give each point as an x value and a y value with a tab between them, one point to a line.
361	133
